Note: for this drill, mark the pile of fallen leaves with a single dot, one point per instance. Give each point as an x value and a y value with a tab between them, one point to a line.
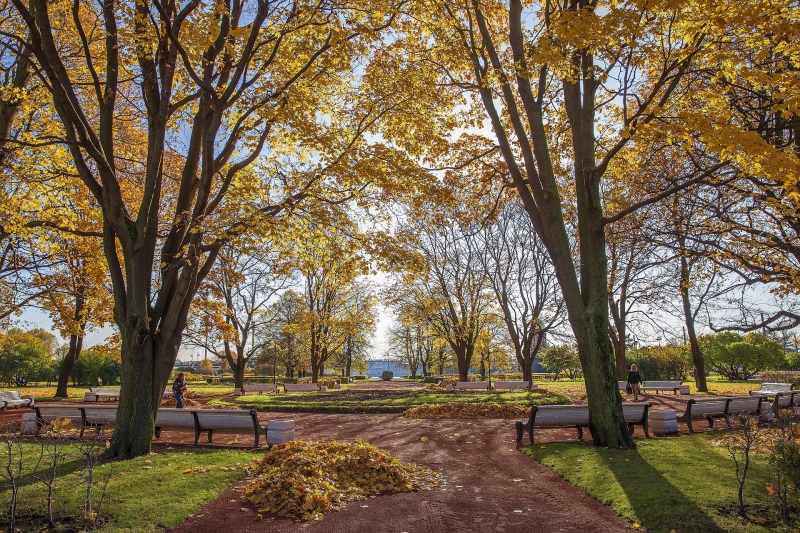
303	480
468	410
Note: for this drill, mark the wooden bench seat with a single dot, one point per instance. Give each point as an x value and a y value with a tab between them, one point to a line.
577	416
720	407
513	385
301	387
471	385
13	399
657	386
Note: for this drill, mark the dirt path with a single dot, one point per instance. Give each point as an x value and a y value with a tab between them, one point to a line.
486	484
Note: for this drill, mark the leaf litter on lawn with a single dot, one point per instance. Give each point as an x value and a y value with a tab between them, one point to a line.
468	410
303	480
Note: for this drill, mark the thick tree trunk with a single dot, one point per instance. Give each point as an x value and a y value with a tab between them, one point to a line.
140	395
238	375
75	346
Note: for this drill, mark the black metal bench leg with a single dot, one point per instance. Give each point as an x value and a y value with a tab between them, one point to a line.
210	433
580	433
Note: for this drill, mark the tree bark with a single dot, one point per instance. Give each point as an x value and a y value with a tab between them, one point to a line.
697	356
75	347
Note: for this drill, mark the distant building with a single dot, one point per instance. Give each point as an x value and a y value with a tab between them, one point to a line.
375	367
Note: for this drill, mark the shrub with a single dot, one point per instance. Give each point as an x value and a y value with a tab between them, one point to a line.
783	377
792	361
660	362
24	362
92	365
558	359
737	357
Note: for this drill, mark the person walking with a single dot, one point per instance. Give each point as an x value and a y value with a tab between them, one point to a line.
634	379
179	387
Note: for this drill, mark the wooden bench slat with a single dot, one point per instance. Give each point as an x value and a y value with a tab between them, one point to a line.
513	385
577	416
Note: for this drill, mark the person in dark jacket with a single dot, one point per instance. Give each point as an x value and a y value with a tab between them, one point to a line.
634	378
179	387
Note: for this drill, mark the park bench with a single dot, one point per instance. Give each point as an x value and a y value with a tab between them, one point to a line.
301	387
48	412
720	407
577	416
258	387
785	400
96	394
623	385
471	385
227	421
99	417
168	393
514	385
209	421
771	389
674	386
13	399
174	419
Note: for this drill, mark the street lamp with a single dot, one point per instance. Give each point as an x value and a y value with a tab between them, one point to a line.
274	361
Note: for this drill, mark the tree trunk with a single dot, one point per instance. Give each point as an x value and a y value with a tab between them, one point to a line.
697	355
75	346
238	375
139	399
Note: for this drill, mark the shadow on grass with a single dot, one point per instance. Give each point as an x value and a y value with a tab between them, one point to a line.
659	505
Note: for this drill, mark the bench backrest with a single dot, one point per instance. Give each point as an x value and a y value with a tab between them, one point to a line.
648	384
622	385
100	413
512	384
786	399
634	411
260	387
10	395
562	415
775	387
101	390
472	384
744	404
299	387
175	418
51	412
226	419
710	406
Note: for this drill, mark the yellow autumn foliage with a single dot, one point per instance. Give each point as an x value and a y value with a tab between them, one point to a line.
468	410
304	480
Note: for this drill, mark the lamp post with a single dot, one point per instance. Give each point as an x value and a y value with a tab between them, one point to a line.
274	361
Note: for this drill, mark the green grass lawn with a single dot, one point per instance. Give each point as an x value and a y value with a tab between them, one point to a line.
149	493
343	401
678	484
